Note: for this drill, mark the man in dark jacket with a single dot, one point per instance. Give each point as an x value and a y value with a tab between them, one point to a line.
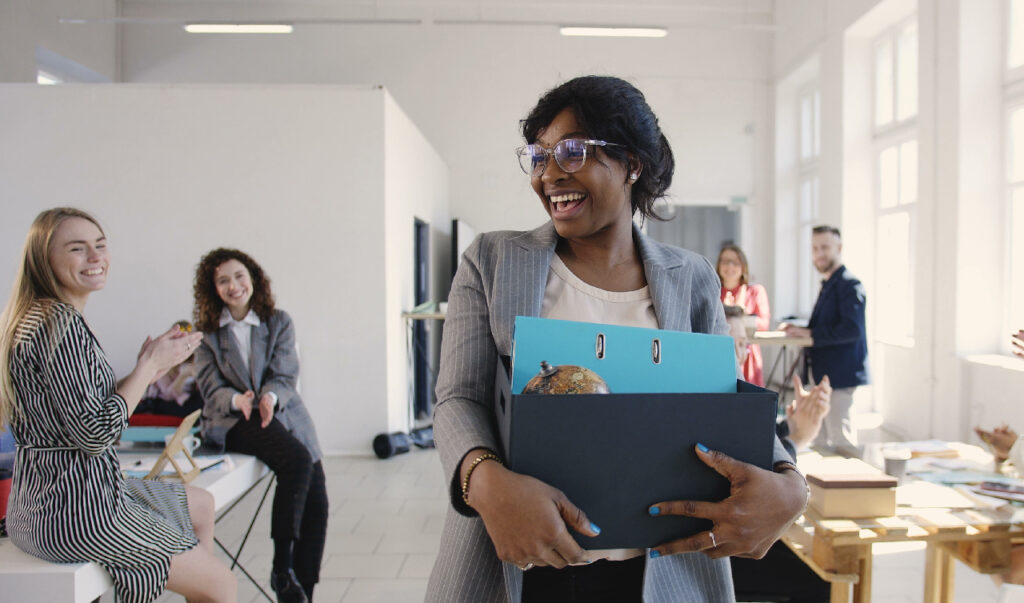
840	348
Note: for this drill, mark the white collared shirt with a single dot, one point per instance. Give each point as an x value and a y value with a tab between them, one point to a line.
241	330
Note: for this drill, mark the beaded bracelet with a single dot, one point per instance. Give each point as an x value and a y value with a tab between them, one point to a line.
487	456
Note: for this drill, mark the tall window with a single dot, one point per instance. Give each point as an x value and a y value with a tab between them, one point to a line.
896	178
809	123
896	76
1014	98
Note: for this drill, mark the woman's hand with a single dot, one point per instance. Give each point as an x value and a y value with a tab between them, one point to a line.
808	409
794	331
1000	440
1017	340
167	351
266	410
761	506
527	519
243	402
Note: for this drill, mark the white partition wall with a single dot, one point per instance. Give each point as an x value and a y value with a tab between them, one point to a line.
301	177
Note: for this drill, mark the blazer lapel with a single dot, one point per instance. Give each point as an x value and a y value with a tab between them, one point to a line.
229	351
258	356
669	292
523	265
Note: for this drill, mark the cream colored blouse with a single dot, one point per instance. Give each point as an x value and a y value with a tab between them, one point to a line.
566	297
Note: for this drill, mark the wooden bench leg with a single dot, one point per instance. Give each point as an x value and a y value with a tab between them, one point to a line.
938	574
840	593
862	589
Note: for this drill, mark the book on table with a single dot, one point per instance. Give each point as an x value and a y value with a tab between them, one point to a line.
850	488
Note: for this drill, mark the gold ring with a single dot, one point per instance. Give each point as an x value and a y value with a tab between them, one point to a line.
527	567
714	544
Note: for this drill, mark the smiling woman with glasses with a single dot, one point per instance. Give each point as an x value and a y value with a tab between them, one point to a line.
737	290
507	535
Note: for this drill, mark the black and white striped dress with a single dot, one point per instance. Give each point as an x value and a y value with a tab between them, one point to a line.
69	501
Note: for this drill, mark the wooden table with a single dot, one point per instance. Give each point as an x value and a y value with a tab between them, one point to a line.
839	550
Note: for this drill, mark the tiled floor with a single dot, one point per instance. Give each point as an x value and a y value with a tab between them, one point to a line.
386	520
382	537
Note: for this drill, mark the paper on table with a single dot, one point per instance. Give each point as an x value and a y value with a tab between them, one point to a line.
964	477
922	495
956	464
143	466
932	448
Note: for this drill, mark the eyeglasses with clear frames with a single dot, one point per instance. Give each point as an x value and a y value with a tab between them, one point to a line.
570	155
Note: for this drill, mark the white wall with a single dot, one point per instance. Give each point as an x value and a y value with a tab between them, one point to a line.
415	184
467	87
173	171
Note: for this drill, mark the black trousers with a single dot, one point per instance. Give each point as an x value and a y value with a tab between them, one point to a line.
299	512
600	582
780	576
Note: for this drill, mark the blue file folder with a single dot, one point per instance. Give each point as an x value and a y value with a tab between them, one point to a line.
629	359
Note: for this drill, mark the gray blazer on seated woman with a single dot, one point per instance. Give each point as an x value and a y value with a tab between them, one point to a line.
247	369
273	368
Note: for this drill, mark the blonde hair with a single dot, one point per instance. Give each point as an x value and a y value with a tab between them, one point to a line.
35	282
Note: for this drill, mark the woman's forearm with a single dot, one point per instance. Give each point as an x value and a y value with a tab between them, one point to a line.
134	386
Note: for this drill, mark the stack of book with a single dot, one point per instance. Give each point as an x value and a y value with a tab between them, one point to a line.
852	494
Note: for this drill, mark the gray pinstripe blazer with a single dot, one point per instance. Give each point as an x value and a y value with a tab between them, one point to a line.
273	367
503	275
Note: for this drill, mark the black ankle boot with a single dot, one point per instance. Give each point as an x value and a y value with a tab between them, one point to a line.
287	587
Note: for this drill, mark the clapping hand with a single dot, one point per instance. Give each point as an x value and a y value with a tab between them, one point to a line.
999	440
168	350
243	402
266	410
808	409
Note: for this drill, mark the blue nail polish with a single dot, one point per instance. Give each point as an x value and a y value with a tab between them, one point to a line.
655	554
594	528
702	447
654	510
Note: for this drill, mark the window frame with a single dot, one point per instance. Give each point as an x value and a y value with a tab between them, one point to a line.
808	170
892	35
894	134
1013	100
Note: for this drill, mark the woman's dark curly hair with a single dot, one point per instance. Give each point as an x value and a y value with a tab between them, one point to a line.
208	305
612	109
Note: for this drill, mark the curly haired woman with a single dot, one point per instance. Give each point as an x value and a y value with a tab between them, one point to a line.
247	369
